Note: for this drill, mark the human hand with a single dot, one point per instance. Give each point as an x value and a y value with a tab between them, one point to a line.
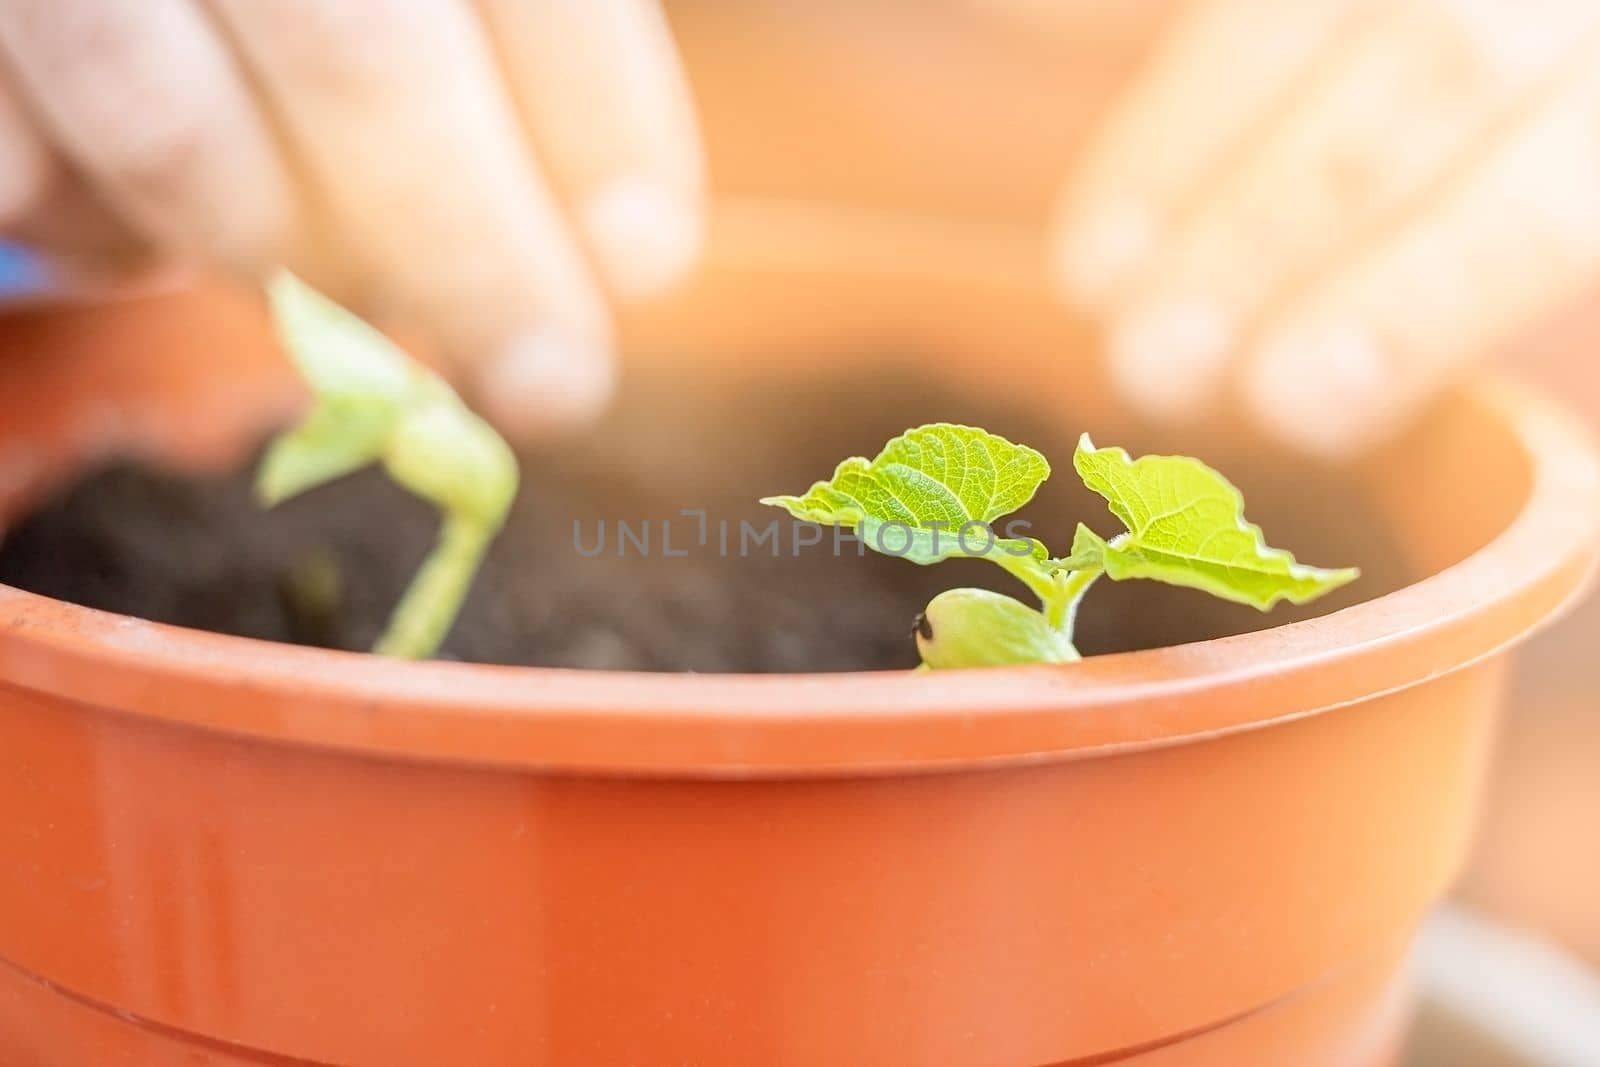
1332	205
455	164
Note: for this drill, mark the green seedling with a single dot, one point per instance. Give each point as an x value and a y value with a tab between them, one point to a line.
373	404
937	491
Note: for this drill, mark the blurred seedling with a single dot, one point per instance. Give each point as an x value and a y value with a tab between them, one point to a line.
372	403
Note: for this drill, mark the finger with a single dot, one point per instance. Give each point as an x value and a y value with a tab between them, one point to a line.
145	100
402	122
601	88
73	241
1519	235
1400	106
25	164
1221	73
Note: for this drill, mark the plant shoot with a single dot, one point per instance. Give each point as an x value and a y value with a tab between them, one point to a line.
936	491
373	404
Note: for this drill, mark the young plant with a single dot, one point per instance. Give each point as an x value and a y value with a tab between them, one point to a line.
936	492
374	404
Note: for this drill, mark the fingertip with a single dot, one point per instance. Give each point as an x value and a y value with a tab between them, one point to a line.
1167	355
545	384
23	186
1324	390
646	234
1099	247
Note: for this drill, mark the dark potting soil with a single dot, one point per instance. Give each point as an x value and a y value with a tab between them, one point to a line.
599	567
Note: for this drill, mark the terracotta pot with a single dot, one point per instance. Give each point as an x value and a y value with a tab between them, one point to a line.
1534	864
220	851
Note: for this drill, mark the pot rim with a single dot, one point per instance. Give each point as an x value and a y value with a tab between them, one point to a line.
739	725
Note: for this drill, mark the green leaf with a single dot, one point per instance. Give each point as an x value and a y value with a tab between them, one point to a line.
978	628
338	436
444	453
363	384
336	352
913	499
1186	526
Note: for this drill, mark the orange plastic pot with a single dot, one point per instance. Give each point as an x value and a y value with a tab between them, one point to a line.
219	851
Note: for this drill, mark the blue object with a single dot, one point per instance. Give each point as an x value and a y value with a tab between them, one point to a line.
22	272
